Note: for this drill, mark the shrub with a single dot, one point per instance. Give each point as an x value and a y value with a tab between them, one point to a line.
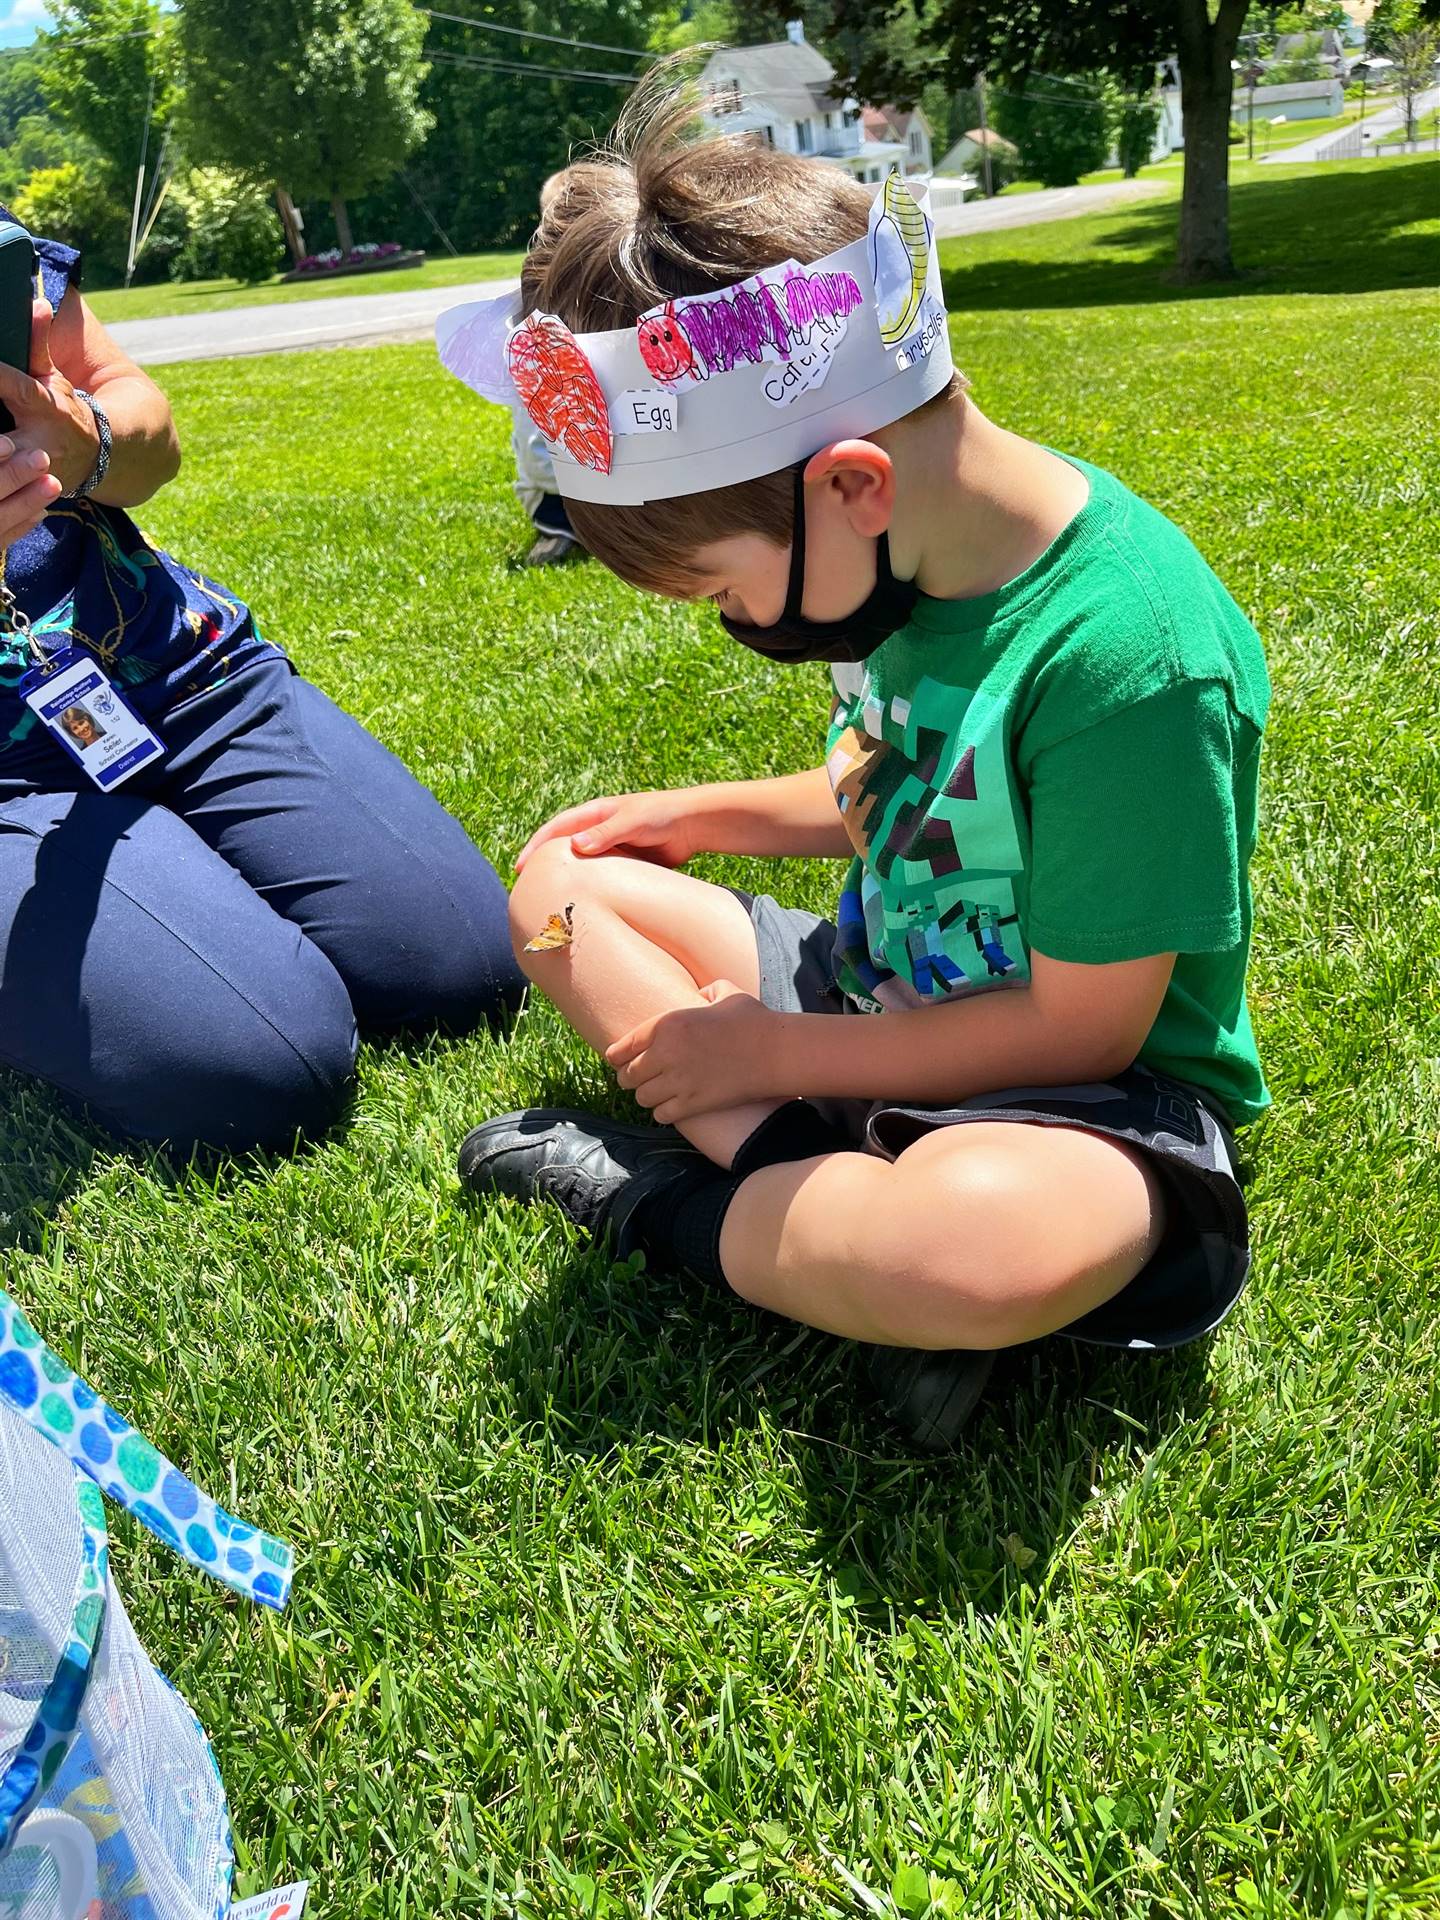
1134	122
1060	135
77	204
234	230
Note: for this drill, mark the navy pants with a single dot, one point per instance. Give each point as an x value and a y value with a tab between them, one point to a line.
190	956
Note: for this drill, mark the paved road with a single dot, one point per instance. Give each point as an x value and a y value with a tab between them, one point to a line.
1375	125
1030	209
342	320
363	319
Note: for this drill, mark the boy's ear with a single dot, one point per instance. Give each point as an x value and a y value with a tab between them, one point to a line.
862	476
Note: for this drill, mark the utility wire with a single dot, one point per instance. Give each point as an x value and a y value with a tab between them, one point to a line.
528	67
527	33
424	207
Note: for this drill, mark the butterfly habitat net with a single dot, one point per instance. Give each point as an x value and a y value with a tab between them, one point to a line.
111	1803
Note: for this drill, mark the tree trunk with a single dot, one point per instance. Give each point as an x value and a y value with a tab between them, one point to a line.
344	239
1206	85
294	239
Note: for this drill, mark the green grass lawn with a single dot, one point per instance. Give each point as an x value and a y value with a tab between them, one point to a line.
616	1599
207	296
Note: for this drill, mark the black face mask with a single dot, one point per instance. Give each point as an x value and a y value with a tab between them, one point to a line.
884	610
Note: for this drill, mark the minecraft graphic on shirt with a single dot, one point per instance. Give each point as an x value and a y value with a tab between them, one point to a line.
923	787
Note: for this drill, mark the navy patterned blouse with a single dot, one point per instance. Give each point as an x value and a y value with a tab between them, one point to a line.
161	630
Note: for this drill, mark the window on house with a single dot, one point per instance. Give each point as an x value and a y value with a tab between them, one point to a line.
917	141
727	96
802	136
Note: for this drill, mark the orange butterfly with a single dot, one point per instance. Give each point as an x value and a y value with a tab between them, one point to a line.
558	931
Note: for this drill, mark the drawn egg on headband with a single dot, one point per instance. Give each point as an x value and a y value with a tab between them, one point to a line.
899	260
664	348
559	391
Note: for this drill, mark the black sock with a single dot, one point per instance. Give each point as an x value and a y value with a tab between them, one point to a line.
677	1225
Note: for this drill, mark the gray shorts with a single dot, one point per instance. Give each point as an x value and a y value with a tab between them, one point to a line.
1200	1268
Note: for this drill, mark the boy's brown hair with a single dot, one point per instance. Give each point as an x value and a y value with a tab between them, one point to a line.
658	214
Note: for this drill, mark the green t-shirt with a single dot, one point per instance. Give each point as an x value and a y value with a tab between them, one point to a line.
1071	763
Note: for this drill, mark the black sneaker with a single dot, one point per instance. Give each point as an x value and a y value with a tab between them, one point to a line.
929	1396
594	1169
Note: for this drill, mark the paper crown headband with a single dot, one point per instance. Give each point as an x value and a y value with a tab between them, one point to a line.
706	391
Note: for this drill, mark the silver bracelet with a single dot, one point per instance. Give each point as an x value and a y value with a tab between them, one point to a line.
102	459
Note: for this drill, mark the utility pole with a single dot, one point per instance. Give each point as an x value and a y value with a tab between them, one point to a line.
984	137
140	179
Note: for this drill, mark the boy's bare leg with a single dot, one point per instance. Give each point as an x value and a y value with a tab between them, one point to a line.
646	940
978	1236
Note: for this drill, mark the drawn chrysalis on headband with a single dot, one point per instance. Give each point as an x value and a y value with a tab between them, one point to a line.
899	259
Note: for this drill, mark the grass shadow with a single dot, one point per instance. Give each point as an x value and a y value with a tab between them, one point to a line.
608	1356
49	1147
1370	245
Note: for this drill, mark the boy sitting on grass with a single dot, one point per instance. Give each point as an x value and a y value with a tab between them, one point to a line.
1042	765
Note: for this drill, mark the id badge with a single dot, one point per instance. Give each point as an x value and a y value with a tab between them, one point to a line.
91	720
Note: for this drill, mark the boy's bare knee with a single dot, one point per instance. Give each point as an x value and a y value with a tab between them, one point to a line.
989	1263
553	878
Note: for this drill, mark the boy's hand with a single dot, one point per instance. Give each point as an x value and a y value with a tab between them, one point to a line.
649	826
701	1059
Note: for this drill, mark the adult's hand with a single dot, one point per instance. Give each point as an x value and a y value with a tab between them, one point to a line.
27	489
49	418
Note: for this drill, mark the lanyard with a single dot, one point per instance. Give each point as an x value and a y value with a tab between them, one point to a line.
14	619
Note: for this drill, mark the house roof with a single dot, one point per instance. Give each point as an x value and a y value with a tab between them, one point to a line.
885	123
956	162
793	75
988	137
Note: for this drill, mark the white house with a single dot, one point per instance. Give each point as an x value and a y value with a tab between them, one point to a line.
968	153
785	91
904	128
1296	100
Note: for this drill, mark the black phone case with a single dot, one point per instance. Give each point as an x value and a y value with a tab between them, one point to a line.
17	293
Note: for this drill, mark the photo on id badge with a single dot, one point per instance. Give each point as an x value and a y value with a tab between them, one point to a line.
84	713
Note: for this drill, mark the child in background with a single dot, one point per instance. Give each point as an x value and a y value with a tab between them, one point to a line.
556	540
994	1099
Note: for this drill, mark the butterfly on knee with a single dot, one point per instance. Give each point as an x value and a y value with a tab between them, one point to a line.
558	931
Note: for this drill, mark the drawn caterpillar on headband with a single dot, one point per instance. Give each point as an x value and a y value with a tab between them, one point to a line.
752	322
901	230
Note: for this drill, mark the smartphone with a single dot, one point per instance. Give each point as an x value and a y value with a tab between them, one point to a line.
17	295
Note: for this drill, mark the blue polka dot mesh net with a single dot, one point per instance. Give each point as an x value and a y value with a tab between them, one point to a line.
111	1804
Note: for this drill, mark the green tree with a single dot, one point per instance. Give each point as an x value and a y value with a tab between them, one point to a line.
508	111
1133	115
101	65
1304	61
20	95
1012	39
693	23
1406	33
37	144
318	97
1057	126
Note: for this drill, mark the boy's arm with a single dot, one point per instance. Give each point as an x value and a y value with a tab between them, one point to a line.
1072	1023
791	816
